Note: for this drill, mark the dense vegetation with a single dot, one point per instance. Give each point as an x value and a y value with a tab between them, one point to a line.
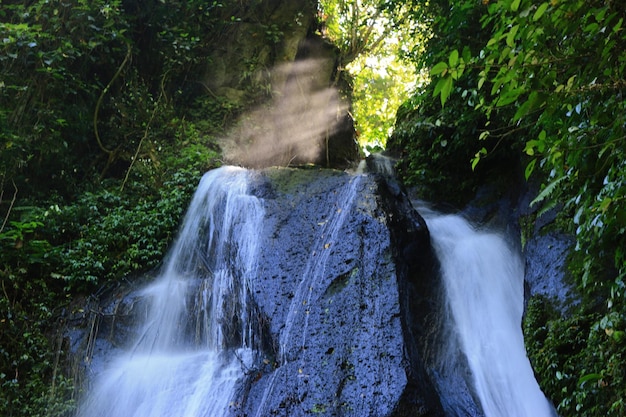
102	140
372	41
534	90
106	125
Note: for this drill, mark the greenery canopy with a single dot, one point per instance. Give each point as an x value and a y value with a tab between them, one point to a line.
543	82
103	133
373	40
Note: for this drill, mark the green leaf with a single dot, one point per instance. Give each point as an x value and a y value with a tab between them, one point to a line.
481	81
438	87
534	101
477	157
542	135
439	68
529	169
587	378
443	89
547	191
532	144
453	59
604	205
467	54
525	13
509	96
540	11
515	5
510	37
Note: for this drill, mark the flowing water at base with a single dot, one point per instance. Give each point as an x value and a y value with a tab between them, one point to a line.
173	384
198	335
484	291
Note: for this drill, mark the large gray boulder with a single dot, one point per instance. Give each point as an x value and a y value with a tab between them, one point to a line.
347	300
342	258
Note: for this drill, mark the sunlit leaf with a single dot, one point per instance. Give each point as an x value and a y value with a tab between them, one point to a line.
439	68
540	11
453	59
547	190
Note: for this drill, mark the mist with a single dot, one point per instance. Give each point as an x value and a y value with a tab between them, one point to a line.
294	127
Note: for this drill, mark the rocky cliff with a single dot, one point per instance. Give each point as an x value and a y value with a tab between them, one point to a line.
346	298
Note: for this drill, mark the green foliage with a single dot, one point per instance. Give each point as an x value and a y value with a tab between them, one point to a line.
437	143
578	360
372	38
435	146
95	81
381	84
43	99
545	80
30	385
101	145
115	236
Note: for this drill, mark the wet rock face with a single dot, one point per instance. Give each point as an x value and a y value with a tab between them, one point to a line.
343	295
335	299
546	256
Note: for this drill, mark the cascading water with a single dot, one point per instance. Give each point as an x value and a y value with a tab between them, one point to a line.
293	337
198	335
329	301
483	283
315	271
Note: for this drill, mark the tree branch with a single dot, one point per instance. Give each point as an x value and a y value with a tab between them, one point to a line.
102	94
6	217
145	135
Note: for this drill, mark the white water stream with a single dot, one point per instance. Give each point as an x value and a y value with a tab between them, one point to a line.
484	291
197	338
315	269
293	337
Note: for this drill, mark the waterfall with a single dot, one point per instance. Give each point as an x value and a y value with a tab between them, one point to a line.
199	334
293	337
483	284
316	278
314	271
